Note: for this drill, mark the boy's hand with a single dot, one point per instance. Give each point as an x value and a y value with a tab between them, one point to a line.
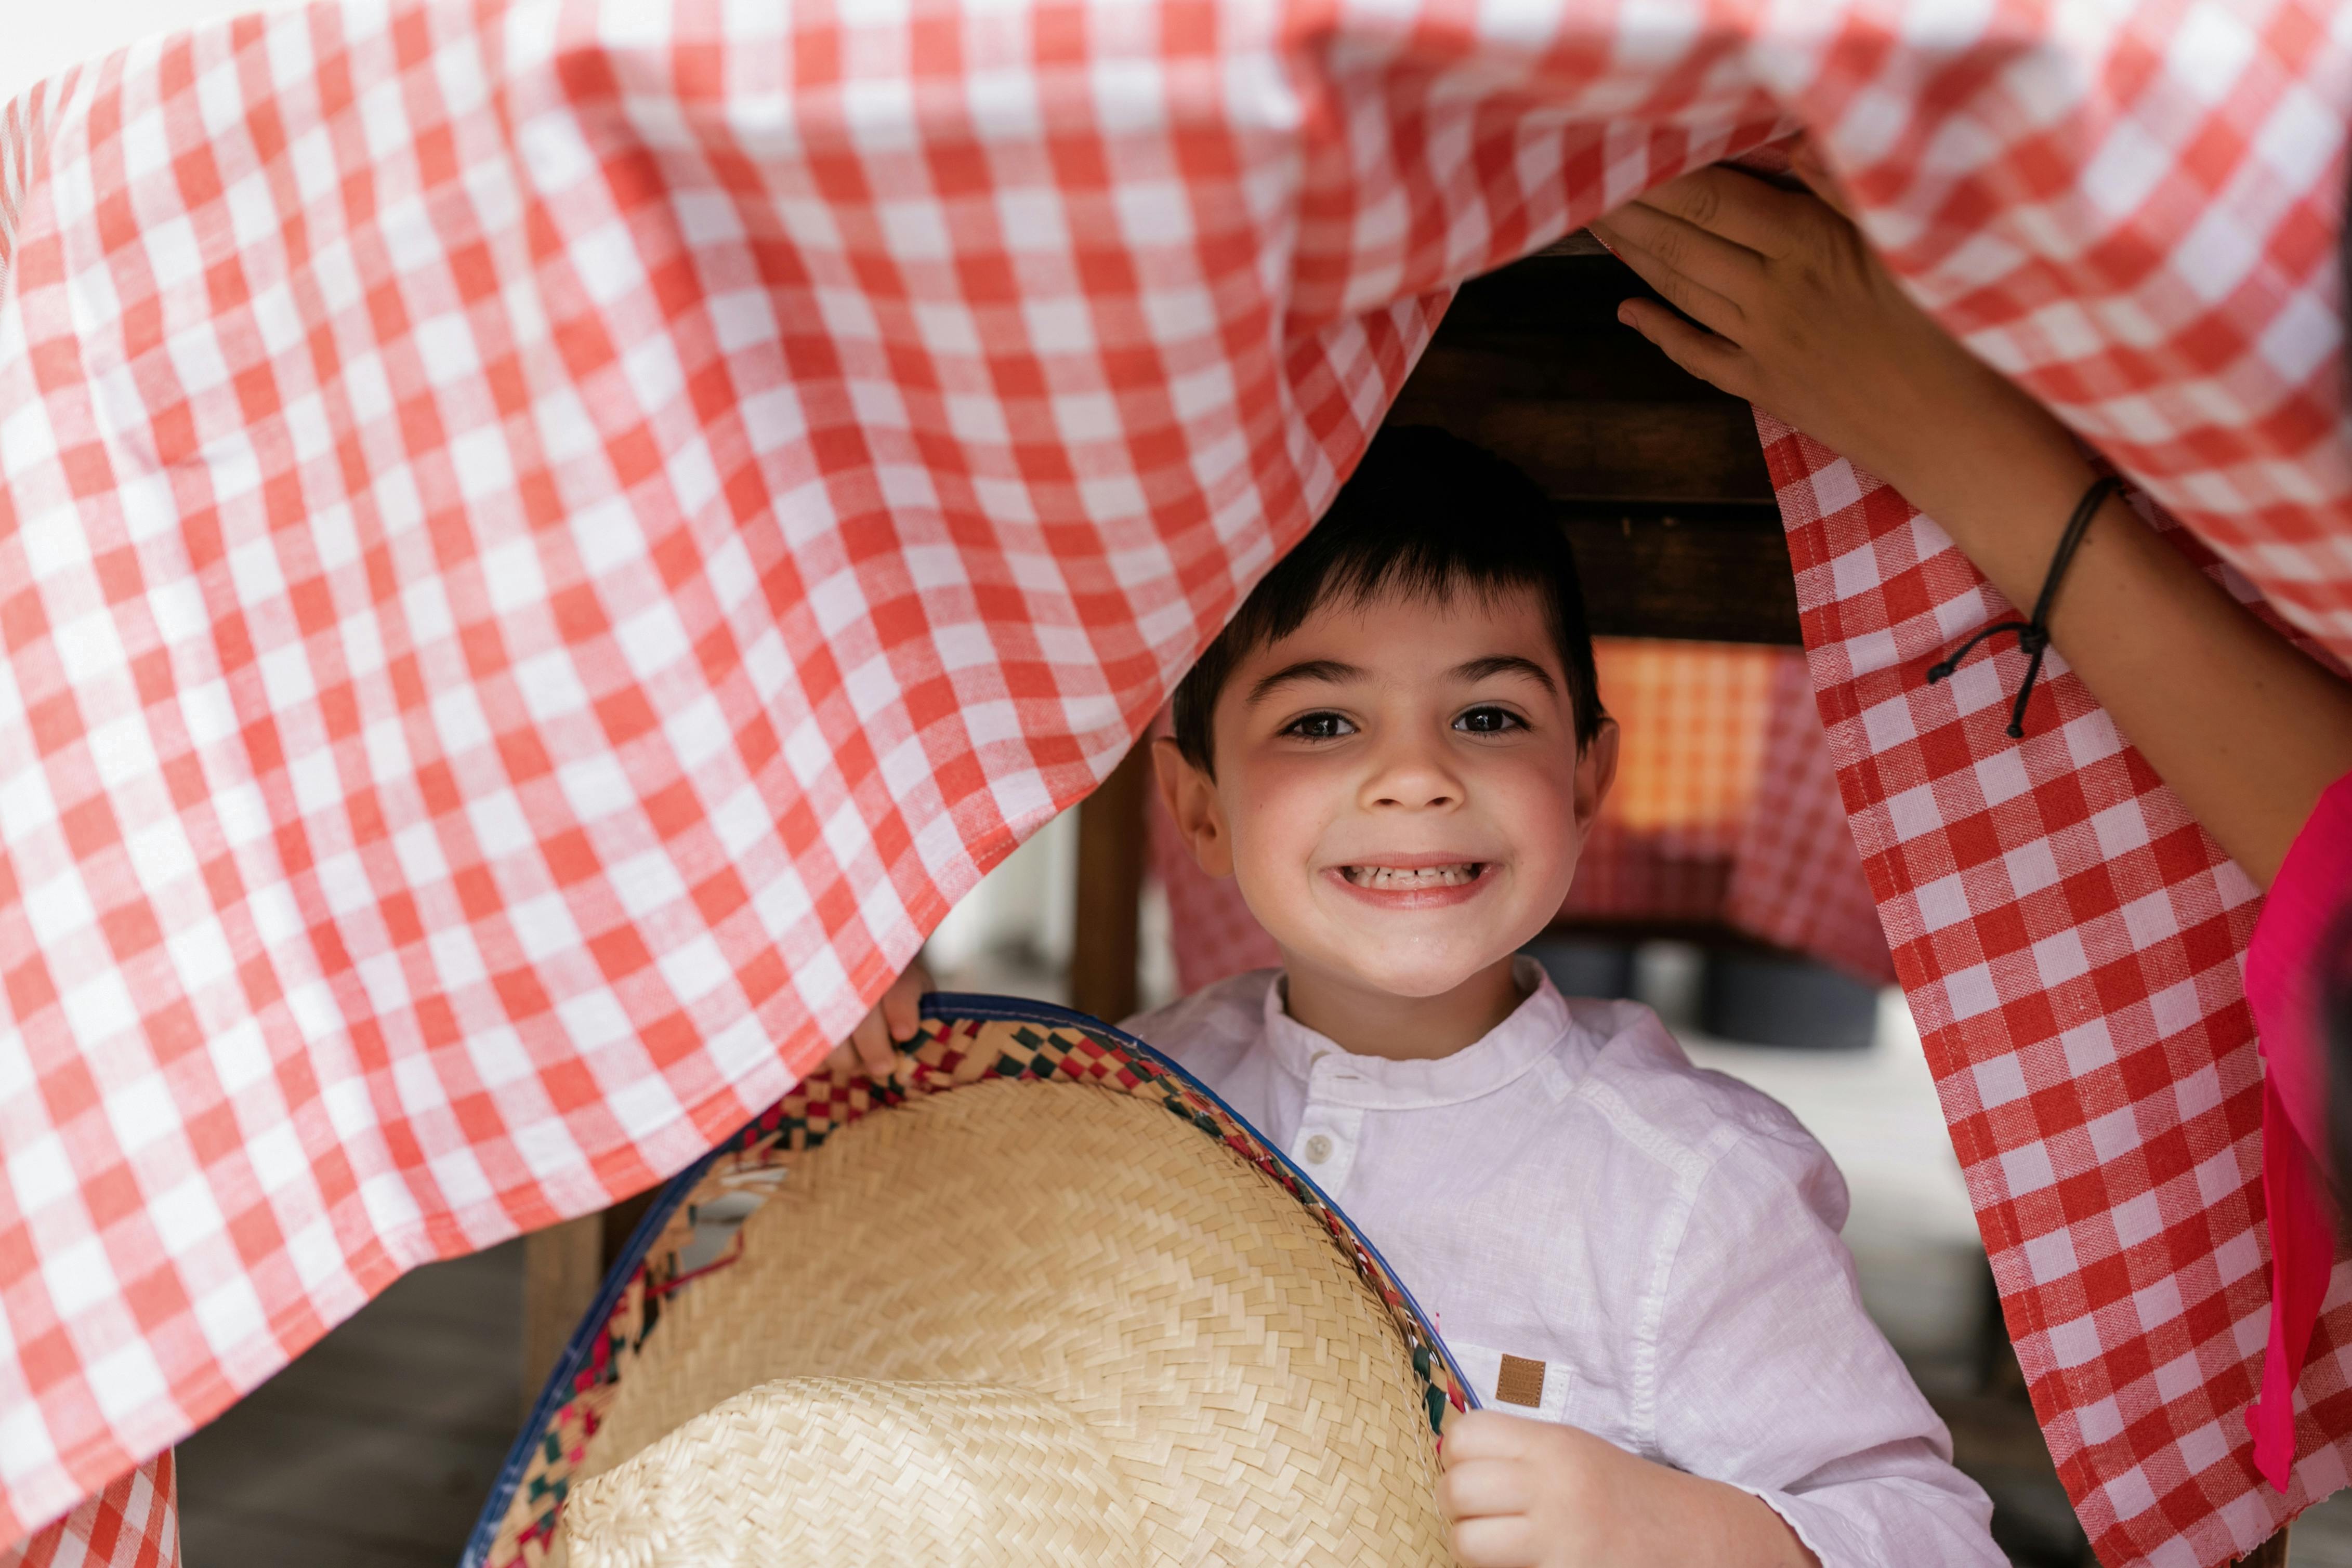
1531	1494
1534	1494
871	1046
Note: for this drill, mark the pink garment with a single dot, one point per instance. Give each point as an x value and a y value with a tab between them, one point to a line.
2313	887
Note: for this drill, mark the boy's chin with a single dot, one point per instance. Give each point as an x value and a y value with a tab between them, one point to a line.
1413	978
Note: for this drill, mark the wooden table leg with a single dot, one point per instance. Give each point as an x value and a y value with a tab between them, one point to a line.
561	1267
1111	854
2271	1553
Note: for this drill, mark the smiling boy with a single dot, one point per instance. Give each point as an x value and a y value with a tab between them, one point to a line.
1397	748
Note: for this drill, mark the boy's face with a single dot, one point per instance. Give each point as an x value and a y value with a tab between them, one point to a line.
1398	789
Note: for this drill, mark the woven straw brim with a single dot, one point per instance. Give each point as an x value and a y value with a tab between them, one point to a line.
842	1472
1253	1399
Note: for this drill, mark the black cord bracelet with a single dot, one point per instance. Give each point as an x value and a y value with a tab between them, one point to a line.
2033	632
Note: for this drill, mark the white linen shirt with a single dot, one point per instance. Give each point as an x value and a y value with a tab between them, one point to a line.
1648	1250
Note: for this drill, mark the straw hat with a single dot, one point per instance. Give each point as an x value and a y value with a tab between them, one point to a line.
1035	1319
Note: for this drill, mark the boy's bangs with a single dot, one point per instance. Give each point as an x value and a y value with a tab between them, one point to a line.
1426	516
1432	578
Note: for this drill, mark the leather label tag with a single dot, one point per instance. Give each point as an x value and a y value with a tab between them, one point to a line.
1520	1382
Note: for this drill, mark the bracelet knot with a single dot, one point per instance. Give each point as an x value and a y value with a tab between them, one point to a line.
2033	632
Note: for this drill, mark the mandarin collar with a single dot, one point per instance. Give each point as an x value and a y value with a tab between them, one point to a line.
1530	1036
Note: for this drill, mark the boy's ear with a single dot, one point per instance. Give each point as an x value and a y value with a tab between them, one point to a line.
1596	770
1191	797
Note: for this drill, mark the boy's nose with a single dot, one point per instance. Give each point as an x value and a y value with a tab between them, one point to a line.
1413	781
1417	796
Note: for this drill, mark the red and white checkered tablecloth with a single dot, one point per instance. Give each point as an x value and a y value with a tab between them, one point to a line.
2069	941
133	1522
1691	719
541	545
1726	809
1795	879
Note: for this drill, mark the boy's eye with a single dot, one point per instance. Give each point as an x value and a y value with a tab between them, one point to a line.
1319	726
1489	721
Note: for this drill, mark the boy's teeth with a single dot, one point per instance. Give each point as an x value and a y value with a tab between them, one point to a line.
1412	876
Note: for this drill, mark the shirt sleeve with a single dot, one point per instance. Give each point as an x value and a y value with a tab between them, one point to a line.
1770	1377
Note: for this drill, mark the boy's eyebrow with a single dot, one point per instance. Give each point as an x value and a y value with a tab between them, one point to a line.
1506	664
1329	670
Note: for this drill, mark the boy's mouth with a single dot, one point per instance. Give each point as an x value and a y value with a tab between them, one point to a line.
1432	884
1404	879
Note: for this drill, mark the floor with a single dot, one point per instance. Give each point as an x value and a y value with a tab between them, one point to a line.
375	1449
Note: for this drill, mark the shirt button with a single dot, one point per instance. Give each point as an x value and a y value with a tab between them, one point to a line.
1318	1149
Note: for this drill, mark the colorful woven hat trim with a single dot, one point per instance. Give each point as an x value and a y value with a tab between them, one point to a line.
690	1232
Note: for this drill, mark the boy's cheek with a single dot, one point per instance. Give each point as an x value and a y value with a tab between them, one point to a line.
1538	817
1279	817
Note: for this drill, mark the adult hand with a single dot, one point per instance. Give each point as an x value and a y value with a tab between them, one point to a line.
1790	309
872	1045
1535	1494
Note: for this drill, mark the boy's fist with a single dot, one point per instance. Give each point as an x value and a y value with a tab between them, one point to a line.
872	1045
1531	1494
1535	1494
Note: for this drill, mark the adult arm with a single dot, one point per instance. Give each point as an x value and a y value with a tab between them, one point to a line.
1789	308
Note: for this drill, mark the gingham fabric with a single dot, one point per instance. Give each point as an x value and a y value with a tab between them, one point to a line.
1795	879
134	1522
1692	718
1726	811
541	545
2069	941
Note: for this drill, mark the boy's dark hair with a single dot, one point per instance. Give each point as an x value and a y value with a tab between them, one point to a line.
1425	513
